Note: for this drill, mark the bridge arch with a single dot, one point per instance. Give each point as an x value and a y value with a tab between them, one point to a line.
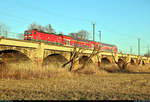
84	58
143	62
105	60
24	51
54	60
14	58
121	62
132	62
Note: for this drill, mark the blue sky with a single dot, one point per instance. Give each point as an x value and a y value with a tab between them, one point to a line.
121	21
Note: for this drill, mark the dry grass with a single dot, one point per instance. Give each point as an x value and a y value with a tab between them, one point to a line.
136	68
84	87
51	83
92	69
130	68
110	67
27	71
30	72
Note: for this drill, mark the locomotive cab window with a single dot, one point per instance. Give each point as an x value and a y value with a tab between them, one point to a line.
27	33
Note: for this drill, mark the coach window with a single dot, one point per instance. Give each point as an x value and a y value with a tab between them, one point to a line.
73	44
77	45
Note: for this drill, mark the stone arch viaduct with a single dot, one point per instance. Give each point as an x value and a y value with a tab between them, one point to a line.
38	52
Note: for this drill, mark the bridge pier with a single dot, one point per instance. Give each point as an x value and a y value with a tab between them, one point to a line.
37	56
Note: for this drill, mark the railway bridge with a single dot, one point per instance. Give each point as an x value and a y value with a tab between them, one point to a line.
41	52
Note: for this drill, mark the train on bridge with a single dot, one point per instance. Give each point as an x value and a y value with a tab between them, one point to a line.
66	40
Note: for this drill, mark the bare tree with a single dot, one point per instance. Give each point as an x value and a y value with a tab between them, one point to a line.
75	58
33	26
73	35
40	28
81	35
122	65
95	51
4	30
49	29
36	26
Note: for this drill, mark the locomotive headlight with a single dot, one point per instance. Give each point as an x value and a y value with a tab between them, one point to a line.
29	36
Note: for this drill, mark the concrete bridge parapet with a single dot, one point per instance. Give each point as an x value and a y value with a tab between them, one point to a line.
38	51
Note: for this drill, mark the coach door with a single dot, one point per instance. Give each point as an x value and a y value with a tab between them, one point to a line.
93	46
67	41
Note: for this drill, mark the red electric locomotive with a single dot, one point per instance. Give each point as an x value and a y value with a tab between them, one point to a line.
66	40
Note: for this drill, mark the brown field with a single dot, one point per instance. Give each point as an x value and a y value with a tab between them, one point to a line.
59	84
